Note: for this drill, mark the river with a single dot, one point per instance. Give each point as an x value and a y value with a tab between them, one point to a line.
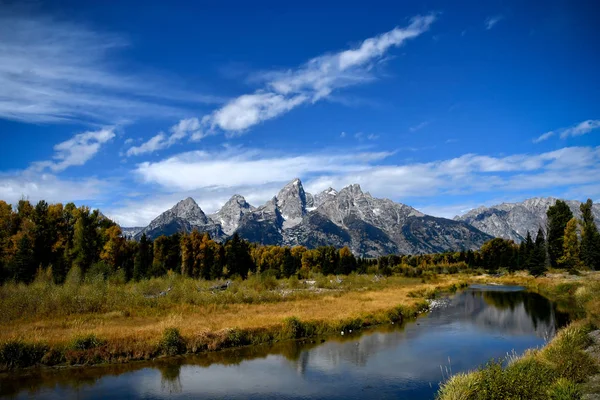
405	361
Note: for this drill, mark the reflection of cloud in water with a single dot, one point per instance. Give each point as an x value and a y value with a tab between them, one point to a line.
393	362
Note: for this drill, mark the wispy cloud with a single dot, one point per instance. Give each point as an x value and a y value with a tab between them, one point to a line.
579	129
366	136
418	126
315	80
543	136
490	22
211	177
53	70
468	173
186	127
76	151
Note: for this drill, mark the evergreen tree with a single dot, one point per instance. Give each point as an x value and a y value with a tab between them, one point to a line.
23	267
590	238
142	259
237	253
558	217
525	252
537	263
289	266
347	262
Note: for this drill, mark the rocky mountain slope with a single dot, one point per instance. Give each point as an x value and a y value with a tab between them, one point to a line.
513	220
185	216
350	217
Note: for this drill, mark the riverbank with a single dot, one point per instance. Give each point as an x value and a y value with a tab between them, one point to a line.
100	322
566	368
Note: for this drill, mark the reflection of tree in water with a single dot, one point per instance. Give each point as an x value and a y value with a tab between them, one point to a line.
538	308
169	377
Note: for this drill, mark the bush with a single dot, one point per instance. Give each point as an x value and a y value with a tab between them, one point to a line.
172	343
526	378
564	389
86	342
459	387
18	354
293	328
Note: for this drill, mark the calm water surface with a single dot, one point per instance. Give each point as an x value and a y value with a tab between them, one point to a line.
395	362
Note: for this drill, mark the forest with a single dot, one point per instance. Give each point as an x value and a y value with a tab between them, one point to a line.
61	239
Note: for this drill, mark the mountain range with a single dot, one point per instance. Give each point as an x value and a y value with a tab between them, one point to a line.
369	226
514	220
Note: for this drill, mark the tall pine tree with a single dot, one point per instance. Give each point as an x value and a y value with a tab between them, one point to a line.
590	238
558	217
537	260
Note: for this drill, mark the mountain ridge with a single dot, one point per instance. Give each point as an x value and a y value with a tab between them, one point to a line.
370	226
513	220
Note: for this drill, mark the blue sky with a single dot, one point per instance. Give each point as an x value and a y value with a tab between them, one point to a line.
442	106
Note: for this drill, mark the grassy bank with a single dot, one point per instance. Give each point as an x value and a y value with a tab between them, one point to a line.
557	371
112	322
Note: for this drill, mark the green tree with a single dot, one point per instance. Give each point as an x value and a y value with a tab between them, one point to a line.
590	238
23	266
537	261
525	252
142	259
289	265
558	217
347	261
237	253
498	253
570	258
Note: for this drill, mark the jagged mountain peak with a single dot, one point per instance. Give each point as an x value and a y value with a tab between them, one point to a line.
370	226
184	216
514	220
291	202
230	215
238	199
354	189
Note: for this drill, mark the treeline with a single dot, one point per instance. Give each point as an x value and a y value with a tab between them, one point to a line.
571	244
67	238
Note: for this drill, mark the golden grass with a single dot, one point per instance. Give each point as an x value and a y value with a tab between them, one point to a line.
134	332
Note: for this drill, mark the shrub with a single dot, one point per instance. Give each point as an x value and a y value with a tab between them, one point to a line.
459	387
564	389
19	354
293	328
172	342
86	342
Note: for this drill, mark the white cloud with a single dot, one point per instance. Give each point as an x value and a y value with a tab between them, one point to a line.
470	172
579	129
315	80
35	187
251	109
53	70
543	136
418	126
490	22
233	167
212	177
185	127
76	151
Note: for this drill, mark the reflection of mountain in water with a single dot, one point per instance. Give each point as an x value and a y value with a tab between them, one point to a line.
505	313
476	325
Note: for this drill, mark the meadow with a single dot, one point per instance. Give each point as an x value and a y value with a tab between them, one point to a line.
99	321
